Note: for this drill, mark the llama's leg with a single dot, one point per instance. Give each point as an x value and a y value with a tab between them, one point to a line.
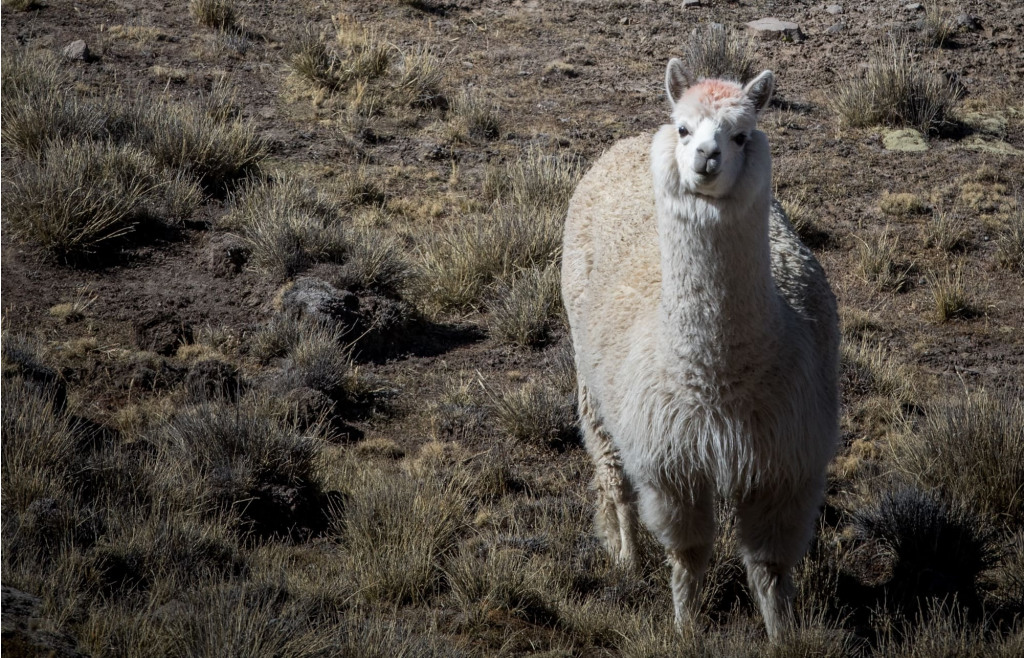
684	522
774	533
616	501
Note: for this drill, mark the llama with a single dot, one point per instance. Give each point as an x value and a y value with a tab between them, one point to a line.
706	345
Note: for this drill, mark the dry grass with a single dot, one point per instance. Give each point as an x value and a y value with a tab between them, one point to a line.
472	118
947	231
525	307
80	195
1010	241
218	14
971	447
712	52
939	24
949	293
536	412
896	91
458	265
903	204
878	260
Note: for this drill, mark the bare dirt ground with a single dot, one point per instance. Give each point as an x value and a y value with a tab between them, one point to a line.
568	79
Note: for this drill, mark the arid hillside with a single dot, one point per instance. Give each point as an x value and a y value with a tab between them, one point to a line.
285	363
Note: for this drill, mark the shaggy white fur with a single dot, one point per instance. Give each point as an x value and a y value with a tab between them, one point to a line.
706	343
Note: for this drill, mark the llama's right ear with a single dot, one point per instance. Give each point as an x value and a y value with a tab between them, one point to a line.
677	80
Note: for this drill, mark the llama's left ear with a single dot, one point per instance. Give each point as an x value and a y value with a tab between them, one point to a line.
759	90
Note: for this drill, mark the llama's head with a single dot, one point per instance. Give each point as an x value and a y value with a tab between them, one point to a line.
716	121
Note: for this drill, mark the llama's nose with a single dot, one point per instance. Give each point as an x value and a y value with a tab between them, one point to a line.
708	159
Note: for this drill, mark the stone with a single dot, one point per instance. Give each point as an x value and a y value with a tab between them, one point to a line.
968	22
837	28
76	50
774	28
978	143
913	6
226	255
835	10
319	300
691	4
907	140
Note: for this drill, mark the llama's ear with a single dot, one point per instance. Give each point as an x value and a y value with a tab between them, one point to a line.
759	90
677	80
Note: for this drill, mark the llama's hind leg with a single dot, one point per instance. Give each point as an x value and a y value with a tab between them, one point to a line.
684	522
616	501
774	533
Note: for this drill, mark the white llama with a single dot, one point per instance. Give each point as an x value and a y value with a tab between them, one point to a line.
706	344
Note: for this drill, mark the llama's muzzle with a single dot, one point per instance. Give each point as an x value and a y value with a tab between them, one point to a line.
707	161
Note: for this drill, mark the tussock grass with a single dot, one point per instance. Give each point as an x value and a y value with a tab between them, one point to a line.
536	413
949	293
185	137
902	204
80	195
525	306
712	52
218	14
878	259
1010	241
288	226
398	531
923	548
358	55
971	447
947	230
38	448
472	118
499	582
458	265
896	91
939	24
420	78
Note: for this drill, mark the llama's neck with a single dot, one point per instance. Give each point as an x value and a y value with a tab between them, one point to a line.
719	310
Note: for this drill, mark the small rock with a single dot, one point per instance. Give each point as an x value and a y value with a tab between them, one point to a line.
913	6
968	22
226	255
835	10
319	300
908	139
691	4
624	20
773	28
76	50
837	28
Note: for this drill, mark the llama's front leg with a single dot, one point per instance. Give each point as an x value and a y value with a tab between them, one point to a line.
774	533
685	525
616	500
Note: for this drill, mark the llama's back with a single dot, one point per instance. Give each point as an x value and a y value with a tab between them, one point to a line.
802	283
611	271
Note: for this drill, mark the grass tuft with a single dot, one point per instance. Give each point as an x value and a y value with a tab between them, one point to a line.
949	293
526	306
537	413
1010	241
878	262
896	91
712	52
971	448
947	231
80	195
218	14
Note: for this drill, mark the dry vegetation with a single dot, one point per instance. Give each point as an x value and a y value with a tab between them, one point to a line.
285	367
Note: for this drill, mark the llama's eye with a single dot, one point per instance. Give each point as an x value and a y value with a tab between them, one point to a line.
683	132
740	139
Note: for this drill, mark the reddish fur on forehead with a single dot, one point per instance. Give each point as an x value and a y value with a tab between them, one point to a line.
715	94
